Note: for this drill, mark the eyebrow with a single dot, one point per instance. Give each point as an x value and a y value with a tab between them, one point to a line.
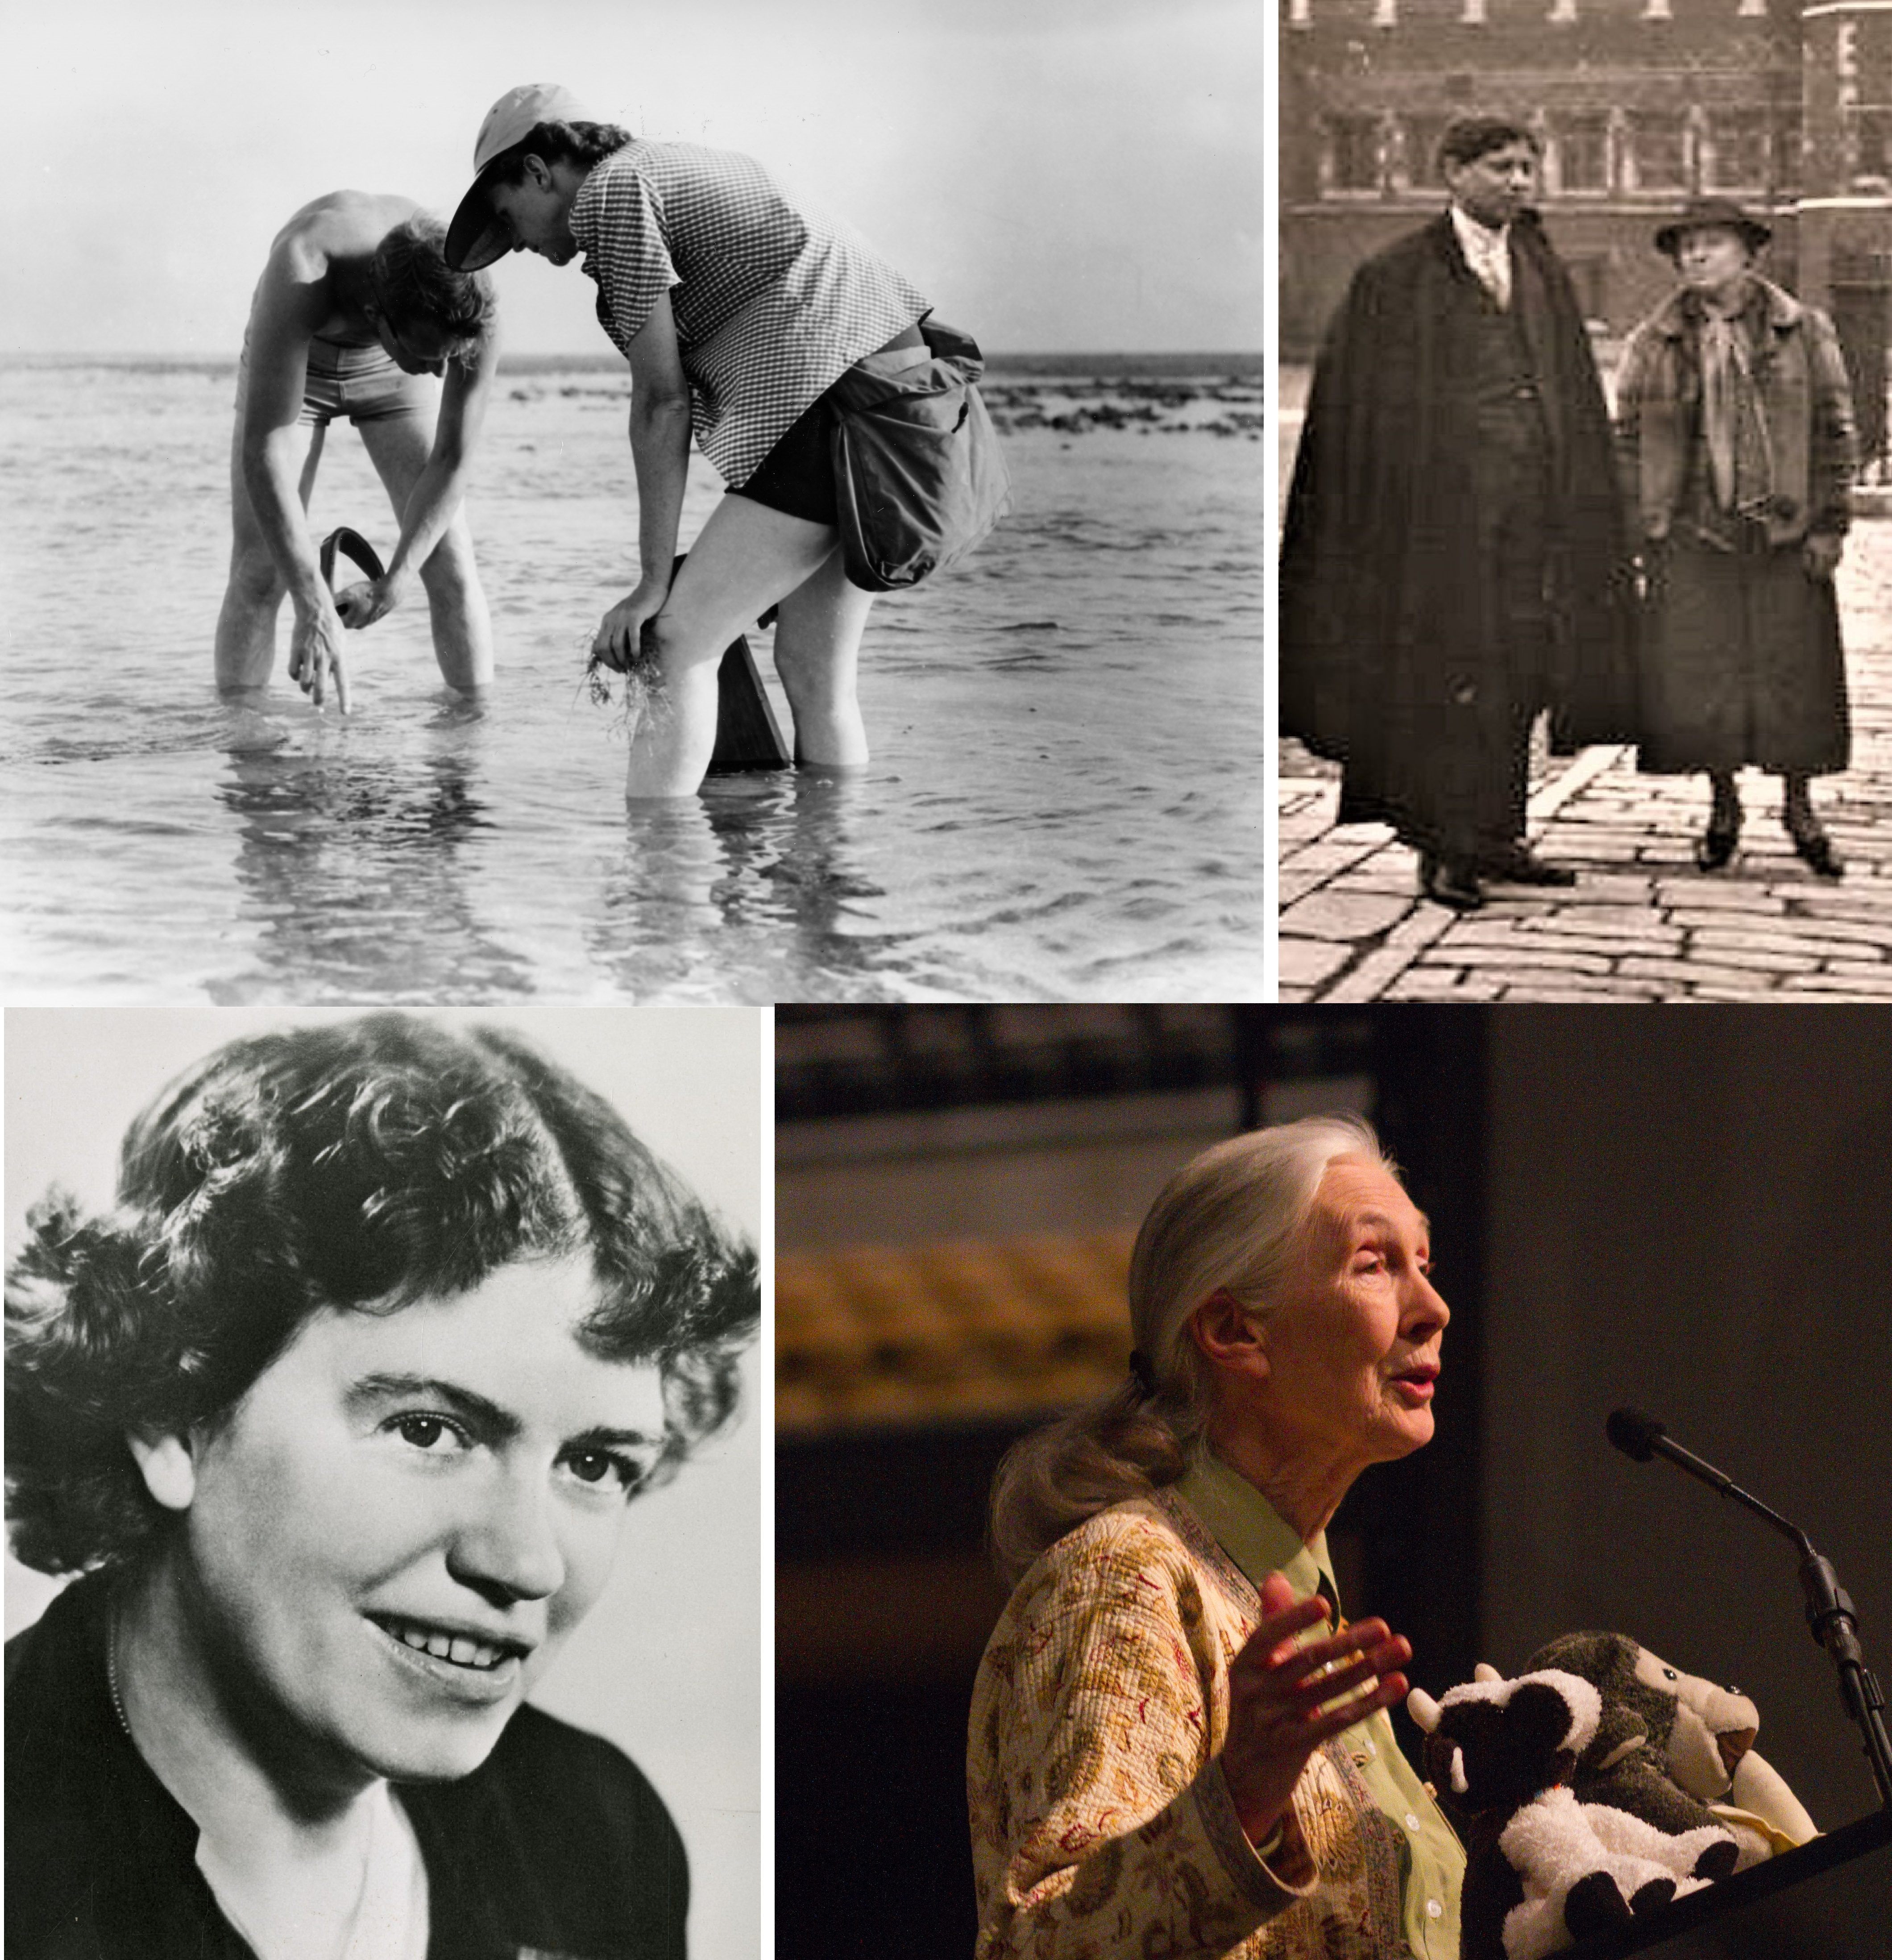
499	1424
1380	1218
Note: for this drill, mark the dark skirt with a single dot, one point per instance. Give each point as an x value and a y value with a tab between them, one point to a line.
1740	663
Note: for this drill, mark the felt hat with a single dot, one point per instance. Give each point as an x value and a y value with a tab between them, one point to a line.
1701	214
476	238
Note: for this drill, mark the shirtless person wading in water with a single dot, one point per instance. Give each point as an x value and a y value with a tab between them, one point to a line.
355	312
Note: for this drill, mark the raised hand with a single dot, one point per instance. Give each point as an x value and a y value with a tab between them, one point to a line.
1278	1694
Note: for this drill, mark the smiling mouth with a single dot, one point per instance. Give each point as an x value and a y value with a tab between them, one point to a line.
442	1643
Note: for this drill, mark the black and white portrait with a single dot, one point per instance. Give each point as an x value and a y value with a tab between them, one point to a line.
382	1483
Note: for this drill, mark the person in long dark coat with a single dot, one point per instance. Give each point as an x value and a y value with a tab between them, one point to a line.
1453	558
1735	433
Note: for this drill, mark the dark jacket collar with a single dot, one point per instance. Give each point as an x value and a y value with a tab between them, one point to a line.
102	1860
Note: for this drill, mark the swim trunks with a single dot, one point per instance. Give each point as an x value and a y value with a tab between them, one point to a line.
362	384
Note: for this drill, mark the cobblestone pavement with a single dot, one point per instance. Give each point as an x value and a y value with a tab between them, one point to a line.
1642	923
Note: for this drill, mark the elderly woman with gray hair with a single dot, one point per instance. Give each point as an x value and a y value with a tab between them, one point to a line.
1177	1743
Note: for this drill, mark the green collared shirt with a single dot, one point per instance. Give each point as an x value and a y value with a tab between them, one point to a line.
1432	1861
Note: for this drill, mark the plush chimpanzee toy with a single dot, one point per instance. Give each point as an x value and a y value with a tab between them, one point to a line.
1543	1870
1668	1745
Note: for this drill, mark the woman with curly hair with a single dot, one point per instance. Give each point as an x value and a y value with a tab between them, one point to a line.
338	1411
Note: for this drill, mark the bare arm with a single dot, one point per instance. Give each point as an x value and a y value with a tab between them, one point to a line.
289	302
437	494
660	452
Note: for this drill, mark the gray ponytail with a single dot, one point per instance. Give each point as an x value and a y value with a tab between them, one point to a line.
1226	1222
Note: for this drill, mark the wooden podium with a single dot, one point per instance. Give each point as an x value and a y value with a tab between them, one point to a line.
1830	1900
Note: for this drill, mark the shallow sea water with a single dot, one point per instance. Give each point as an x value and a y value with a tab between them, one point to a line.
1065	804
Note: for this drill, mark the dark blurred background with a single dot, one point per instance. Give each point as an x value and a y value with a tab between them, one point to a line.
1688	1213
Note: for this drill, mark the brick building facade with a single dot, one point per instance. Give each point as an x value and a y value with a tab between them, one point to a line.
1638	104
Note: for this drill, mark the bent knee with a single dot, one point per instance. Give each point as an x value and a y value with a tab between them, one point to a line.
679	644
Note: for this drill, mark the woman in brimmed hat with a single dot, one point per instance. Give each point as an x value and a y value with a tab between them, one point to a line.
1734	428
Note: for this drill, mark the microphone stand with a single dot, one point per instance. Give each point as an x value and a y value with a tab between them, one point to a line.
1829	1607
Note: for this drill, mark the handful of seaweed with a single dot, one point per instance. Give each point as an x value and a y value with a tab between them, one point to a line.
642	681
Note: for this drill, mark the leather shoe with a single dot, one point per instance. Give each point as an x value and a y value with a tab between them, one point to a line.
1815	848
1450	881
1521	865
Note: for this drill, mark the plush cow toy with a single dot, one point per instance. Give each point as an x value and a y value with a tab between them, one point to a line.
1668	1745
1543	1870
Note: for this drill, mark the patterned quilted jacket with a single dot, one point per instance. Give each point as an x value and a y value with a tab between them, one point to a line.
1101	1825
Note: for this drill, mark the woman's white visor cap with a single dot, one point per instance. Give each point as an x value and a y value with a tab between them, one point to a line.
476	238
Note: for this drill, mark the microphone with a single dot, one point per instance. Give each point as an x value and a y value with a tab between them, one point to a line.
1642	1437
1829	1609
1634	1433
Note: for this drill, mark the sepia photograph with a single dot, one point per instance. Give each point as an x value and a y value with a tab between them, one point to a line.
1585	584
729	504
1392	1482
383	1468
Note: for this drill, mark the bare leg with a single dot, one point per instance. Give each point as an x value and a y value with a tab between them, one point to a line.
398	447
747	558
818	655
246	646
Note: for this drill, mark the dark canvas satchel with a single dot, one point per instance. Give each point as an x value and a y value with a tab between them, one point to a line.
919	477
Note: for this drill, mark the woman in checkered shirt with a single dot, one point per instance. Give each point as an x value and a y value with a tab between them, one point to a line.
737	309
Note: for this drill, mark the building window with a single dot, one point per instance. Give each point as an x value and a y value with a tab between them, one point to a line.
1871	147
1657	157
1353	152
1582	152
1737	150
1420	137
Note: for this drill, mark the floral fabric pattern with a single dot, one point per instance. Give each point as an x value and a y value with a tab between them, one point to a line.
1102	1824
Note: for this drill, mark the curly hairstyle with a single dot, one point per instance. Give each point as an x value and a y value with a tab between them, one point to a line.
412	283
363	1166
584	145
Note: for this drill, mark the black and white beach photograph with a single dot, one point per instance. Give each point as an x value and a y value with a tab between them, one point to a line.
1586	576
384	1434
728	503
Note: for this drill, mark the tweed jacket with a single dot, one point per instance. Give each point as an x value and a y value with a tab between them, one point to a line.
1102	1824
1801	377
